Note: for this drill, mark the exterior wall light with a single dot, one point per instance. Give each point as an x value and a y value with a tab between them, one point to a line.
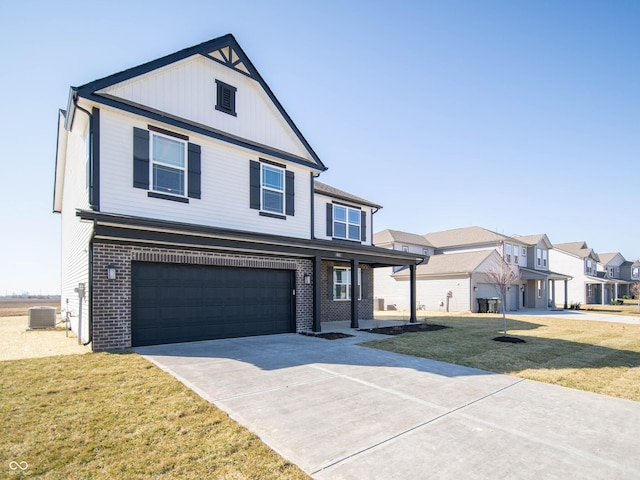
307	279
111	271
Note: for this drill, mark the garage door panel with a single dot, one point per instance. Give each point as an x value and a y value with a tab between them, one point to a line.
181	303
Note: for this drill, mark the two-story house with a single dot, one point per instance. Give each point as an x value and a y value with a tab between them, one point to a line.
460	265
579	261
456	272
538	288
616	270
190	210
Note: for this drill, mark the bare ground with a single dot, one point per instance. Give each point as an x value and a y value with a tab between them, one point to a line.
16	342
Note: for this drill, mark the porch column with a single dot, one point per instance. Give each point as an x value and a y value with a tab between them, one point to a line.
602	296
317	286
553	294
354	293
412	294
546	294
566	294
615	289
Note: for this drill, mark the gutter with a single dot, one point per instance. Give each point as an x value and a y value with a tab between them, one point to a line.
90	299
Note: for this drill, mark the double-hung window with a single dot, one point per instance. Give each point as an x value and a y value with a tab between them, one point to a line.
272	189
168	160
516	253
539	257
346	222
508	252
342	283
544	258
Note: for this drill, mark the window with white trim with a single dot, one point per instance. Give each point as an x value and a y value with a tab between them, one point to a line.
589	266
544	258
346	222
612	272
516	253
342	283
590	290
405	249
507	253
168	160
635	272
524	252
539	257
540	289
272	186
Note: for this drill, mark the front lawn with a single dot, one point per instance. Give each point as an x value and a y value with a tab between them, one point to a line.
118	416
598	357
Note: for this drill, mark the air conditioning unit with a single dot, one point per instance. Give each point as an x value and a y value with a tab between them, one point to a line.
42	317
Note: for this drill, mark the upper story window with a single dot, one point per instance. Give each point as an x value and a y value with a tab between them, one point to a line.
272	189
342	283
612	272
539	257
405	249
524	252
346	222
635	272
507	253
226	98
589	266
516	253
425	252
168	165
544	258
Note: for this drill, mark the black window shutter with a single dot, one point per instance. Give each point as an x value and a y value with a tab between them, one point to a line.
363	226
194	168
254	185
290	193
330	281
329	220
140	158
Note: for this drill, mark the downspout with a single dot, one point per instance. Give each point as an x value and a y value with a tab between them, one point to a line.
75	104
90	299
373	212
313	205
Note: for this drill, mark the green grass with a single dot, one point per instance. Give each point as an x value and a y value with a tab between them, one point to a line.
598	357
118	416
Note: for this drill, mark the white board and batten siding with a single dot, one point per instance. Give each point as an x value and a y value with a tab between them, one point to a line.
320	214
187	89
224	201
75	234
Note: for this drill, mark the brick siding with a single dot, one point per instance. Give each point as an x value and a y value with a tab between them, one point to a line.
111	302
340	310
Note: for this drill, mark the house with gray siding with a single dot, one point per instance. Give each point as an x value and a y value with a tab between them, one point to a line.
579	261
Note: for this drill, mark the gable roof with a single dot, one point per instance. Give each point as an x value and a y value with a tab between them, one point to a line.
579	249
534	239
395	236
467	236
336	193
449	264
224	50
605	258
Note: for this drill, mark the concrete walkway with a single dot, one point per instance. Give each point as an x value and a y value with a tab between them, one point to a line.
581	315
343	411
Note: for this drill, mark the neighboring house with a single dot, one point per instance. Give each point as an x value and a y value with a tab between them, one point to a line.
459	268
617	271
190	210
581	263
389	293
453	283
538	289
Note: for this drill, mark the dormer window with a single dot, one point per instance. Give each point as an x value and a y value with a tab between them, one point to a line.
226	98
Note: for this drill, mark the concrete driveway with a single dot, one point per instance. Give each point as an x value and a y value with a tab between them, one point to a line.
339	410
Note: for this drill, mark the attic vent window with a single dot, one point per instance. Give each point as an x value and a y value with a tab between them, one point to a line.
226	98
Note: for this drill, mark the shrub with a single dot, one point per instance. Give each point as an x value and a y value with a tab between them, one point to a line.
617	301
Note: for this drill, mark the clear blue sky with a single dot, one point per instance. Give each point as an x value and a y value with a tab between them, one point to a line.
518	116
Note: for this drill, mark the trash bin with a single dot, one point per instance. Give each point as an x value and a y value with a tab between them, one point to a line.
493	305
483	305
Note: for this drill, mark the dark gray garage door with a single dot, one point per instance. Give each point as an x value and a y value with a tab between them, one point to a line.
184	303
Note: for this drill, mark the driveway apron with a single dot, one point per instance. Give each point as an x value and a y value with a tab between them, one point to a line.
340	410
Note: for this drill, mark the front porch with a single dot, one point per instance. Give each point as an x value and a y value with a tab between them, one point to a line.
539	288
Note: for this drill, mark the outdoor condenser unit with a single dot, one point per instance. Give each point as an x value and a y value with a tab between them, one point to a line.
42	317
